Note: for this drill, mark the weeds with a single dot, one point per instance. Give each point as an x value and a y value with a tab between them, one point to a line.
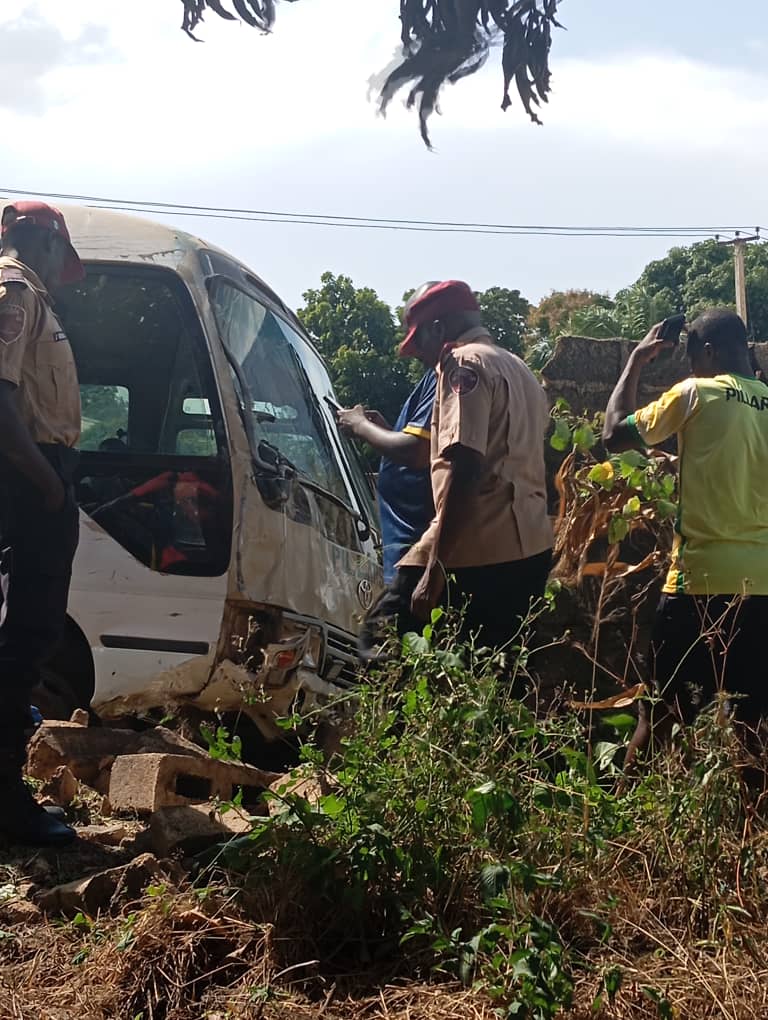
468	858
464	837
470	849
222	746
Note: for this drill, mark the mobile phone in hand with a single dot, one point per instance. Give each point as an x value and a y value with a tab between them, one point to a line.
672	327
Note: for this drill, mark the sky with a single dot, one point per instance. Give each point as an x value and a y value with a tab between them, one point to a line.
657	118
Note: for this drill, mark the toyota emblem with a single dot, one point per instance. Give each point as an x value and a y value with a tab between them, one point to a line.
365	594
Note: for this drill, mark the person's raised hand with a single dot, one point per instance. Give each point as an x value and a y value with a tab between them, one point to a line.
651	346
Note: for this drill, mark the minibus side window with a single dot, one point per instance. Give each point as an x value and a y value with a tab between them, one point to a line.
154	470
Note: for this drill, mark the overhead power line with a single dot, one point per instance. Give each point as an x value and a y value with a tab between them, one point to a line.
376	223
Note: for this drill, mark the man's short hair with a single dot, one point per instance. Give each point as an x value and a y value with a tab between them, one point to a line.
721	328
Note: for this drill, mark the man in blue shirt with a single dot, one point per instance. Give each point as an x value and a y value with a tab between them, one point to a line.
405	490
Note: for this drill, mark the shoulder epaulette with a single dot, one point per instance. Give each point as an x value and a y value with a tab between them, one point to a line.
10	274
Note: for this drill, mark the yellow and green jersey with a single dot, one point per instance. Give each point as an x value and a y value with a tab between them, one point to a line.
721	540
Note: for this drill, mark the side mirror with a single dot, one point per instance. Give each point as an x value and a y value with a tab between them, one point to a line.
363	531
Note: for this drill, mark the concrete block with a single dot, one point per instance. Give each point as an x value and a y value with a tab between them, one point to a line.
144	783
89	750
192	828
104	890
111	834
19	911
61	788
301	782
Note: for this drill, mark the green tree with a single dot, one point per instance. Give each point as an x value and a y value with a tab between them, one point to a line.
104	411
550	317
700	275
505	313
357	335
630	316
687	279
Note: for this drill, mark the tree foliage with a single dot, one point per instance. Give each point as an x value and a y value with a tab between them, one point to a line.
505	313
687	279
550	317
441	41
693	278
356	333
630	316
104	412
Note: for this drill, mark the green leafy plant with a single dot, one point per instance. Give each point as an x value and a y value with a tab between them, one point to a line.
221	745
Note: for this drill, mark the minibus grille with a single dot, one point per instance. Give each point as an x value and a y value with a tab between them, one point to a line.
341	661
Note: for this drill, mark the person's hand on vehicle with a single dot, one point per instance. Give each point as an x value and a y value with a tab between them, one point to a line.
351	418
650	347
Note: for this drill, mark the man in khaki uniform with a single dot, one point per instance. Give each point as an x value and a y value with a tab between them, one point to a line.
39	426
491	531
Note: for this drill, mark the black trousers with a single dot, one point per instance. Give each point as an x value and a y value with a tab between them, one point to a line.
704	644
36	552
495	599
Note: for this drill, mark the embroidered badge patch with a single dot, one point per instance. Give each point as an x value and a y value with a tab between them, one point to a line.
12	321
463	380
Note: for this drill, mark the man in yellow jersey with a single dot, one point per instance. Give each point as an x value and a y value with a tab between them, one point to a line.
712	619
39	426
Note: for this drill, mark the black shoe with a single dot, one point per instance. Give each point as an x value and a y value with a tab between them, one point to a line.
23	820
55	811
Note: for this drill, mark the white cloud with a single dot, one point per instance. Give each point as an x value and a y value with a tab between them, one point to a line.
284	122
33	47
243	95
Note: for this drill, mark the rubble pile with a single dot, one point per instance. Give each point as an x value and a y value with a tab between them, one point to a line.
153	799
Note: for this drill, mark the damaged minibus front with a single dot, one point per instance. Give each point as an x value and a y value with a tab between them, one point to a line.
228	540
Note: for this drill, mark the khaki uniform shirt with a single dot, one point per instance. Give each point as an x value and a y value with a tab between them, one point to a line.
36	357
489	401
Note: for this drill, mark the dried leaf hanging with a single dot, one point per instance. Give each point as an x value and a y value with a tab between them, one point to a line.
442	41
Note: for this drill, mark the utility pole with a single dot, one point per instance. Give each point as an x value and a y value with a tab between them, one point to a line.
739	244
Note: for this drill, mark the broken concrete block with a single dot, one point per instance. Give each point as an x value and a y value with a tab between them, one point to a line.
80	717
192	828
61	788
89	751
143	783
294	785
302	782
19	911
103	891
111	834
